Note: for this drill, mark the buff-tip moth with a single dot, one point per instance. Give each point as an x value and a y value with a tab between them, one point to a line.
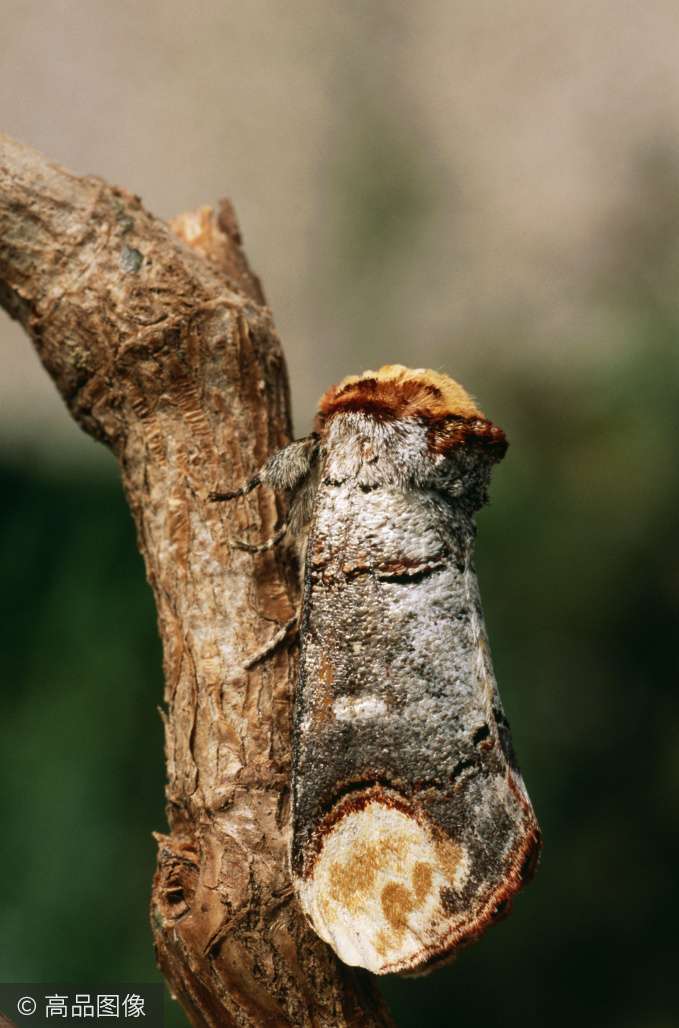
411	825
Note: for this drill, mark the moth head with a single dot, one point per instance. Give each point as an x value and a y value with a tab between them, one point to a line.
452	417
394	391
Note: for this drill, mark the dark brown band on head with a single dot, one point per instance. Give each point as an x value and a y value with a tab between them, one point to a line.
383	399
446	434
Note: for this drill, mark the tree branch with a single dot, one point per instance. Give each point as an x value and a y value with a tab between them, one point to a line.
160	346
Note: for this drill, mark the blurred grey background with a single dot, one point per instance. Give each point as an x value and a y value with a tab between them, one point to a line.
486	188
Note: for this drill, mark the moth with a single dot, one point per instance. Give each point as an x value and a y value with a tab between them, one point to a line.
411	825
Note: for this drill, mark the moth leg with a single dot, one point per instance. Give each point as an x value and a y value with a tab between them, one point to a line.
262	547
217	497
289	629
284	471
288	471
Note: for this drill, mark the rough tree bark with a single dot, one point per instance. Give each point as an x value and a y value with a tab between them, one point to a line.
159	341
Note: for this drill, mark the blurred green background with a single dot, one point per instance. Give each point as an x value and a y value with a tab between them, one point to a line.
488	191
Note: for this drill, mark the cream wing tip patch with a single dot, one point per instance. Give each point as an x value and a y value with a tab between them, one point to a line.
380	888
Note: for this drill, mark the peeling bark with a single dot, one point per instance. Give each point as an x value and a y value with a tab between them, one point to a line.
160	344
